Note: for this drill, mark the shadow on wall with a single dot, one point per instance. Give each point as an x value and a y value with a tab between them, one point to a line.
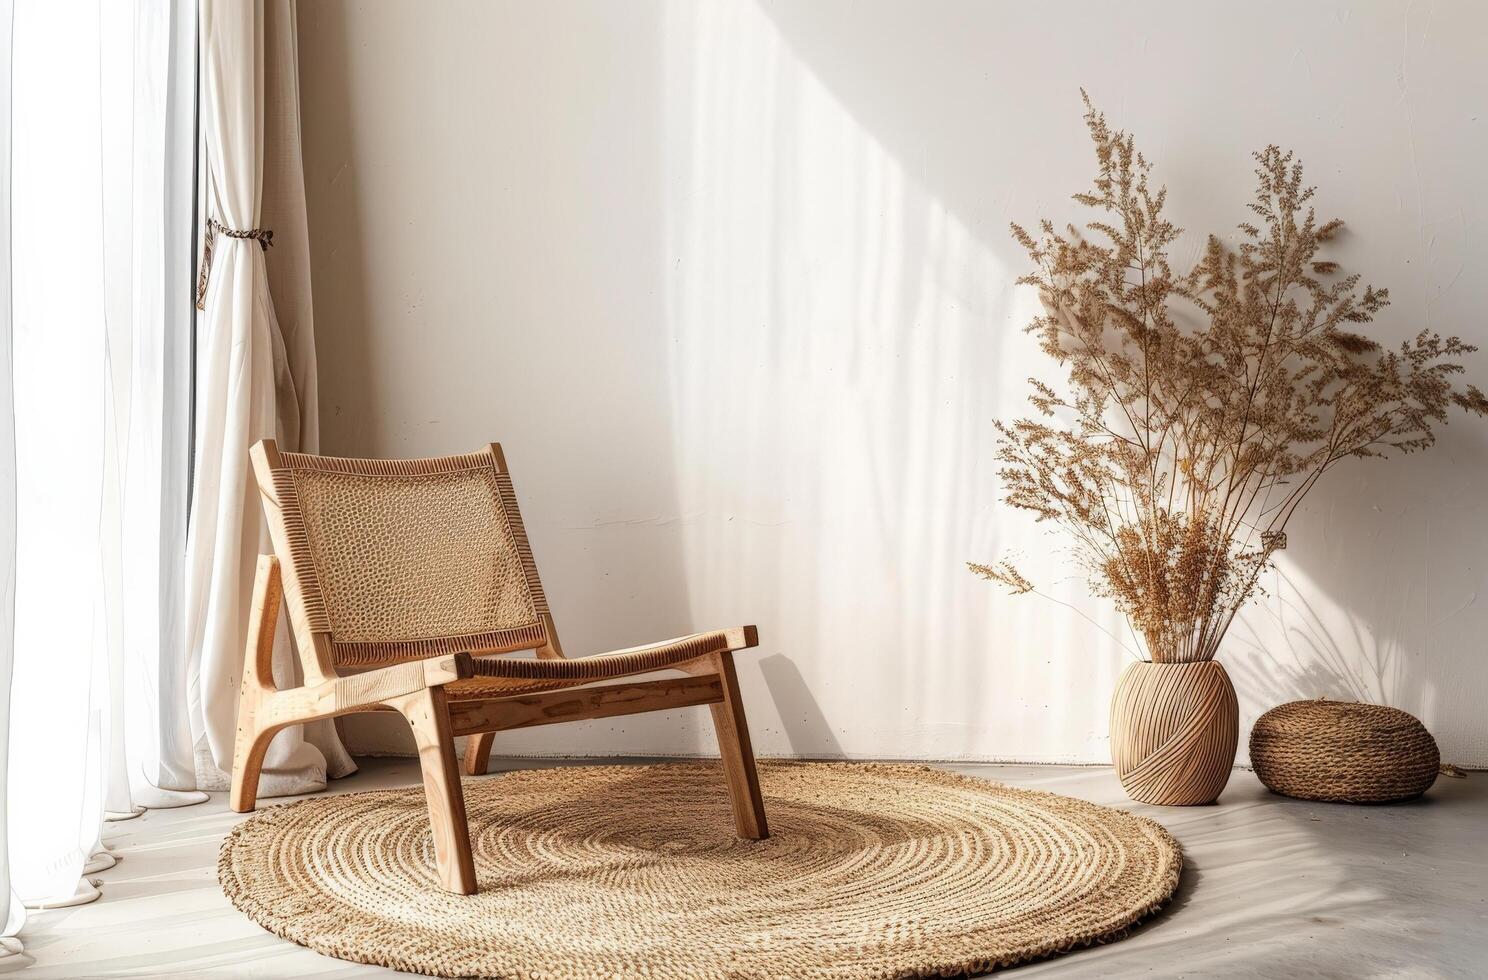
338	233
807	730
1376	599
843	337
485	188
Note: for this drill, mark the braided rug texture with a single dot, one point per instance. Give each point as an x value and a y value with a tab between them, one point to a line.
615	871
1343	752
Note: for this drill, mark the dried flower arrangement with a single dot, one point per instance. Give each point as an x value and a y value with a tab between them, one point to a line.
1180	452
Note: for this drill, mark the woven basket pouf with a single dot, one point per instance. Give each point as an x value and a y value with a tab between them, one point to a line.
1342	752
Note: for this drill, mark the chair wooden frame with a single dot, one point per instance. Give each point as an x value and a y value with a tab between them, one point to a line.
444	689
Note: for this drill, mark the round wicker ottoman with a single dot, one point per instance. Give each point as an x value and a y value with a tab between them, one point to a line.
1343	752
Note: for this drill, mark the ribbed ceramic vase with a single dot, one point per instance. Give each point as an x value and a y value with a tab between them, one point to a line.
1174	728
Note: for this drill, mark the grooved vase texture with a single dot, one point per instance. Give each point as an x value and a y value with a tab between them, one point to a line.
1174	731
1342	752
614	871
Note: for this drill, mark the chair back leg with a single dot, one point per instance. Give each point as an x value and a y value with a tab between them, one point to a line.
478	753
427	712
738	754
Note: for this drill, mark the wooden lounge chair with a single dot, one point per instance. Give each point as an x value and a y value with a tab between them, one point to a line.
406	580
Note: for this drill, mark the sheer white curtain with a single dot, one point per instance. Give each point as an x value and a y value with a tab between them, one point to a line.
255	372
121	640
12	913
98	336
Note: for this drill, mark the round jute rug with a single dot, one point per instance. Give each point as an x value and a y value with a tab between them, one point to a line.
616	871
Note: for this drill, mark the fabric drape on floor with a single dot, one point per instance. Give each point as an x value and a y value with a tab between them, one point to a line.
255	374
100	184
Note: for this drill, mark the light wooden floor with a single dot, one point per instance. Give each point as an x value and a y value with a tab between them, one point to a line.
1272	888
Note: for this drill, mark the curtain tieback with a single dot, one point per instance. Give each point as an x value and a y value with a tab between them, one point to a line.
263	236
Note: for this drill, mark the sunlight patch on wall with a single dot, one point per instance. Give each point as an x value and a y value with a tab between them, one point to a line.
841	343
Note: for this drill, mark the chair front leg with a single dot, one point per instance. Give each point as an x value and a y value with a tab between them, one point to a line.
253	736
427	712
738	754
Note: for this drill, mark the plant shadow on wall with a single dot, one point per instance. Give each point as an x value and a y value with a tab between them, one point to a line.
1319	655
1375	597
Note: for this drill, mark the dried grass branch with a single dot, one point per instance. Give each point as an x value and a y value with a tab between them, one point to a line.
1201	408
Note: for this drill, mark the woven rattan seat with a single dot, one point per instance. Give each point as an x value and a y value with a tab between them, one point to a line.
407	583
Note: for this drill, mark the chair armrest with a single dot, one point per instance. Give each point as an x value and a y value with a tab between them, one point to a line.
735	638
339	695
742	637
373	686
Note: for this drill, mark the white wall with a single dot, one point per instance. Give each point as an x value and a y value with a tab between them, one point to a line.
731	282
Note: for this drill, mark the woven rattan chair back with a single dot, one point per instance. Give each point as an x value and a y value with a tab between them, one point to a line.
397	560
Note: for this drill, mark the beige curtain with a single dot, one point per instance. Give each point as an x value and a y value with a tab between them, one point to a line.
255	373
